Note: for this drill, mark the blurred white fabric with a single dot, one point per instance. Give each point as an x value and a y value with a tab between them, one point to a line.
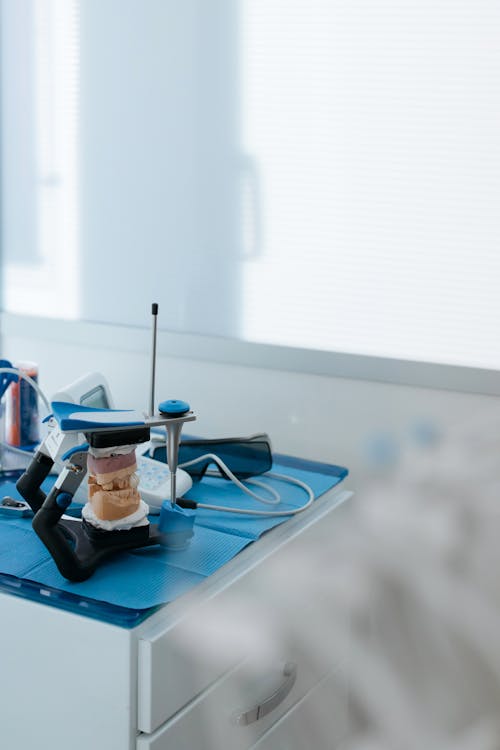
406	594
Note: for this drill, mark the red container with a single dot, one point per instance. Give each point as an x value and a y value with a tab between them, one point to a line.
22	420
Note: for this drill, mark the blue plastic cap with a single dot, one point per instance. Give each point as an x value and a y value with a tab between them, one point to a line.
176	526
64	499
173	407
174	518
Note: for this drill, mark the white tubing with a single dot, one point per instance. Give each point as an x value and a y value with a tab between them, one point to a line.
247	511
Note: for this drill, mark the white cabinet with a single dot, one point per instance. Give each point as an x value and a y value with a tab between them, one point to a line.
218	717
218	667
67	682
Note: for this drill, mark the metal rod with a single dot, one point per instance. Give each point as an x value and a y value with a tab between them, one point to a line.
154	312
173	488
173	440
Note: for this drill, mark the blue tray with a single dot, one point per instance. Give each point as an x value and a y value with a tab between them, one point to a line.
132	585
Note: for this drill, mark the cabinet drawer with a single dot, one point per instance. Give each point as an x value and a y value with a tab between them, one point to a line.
244	610
320	720
239	707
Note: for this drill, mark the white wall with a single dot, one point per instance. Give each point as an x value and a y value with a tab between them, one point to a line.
319	417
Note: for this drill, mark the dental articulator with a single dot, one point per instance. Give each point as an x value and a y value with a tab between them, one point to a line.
101	443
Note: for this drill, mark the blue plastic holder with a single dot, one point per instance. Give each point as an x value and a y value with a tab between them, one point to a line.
6	378
176	525
73	417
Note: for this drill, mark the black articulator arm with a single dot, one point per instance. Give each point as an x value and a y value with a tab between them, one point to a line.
76	546
29	484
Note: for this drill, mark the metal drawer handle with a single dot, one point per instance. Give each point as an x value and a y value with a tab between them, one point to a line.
270	703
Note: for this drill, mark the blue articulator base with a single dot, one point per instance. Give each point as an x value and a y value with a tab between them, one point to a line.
176	526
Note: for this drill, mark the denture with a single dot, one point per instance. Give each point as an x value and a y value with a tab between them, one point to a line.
112	486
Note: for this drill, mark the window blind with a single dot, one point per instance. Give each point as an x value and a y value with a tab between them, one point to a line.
313	173
374	126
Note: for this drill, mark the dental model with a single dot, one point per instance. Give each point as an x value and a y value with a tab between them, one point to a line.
114	501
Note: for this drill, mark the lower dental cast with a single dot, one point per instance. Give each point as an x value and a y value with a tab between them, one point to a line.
114	501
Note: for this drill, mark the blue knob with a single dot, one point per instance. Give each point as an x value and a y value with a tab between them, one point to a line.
174	407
